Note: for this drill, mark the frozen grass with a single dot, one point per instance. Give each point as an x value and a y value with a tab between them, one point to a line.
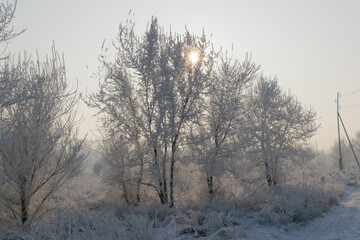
282	206
303	197
295	204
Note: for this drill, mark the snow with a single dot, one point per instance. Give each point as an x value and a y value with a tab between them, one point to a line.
341	222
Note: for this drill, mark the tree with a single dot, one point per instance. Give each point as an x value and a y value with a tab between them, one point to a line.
214	140
8	82
279	127
124	166
39	149
357	141
346	154
7	32
149	94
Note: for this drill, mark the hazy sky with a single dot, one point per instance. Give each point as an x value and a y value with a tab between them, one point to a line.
312	46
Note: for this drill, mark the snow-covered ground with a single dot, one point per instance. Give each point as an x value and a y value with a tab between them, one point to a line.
342	222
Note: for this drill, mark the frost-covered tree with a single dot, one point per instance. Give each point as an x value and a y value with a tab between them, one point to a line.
123	165
214	140
279	127
356	141
149	94
7	12
346	154
8	82
39	149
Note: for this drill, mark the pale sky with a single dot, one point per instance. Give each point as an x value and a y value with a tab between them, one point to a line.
313	46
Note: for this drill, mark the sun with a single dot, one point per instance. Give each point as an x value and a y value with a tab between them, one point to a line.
194	57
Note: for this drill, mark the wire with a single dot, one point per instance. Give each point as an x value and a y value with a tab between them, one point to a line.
350	106
350	101
350	93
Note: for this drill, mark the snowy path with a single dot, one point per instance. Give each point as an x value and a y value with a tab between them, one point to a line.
342	222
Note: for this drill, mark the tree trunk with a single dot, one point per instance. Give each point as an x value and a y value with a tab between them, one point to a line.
172	170
139	180
166	200
210	177
210	184
24	207
270	180
138	184
163	196
163	193
161	173
125	193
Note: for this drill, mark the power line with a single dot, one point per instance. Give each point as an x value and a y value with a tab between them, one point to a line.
350	106
350	93
346	96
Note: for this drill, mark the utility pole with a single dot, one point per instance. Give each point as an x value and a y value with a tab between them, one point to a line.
338	125
348	138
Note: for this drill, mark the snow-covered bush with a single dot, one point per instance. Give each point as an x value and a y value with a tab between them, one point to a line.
85	191
282	205
292	203
104	225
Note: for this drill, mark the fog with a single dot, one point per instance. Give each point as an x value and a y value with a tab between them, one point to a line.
311	46
179	120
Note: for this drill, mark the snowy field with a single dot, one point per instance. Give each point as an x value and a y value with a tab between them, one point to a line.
341	222
218	221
